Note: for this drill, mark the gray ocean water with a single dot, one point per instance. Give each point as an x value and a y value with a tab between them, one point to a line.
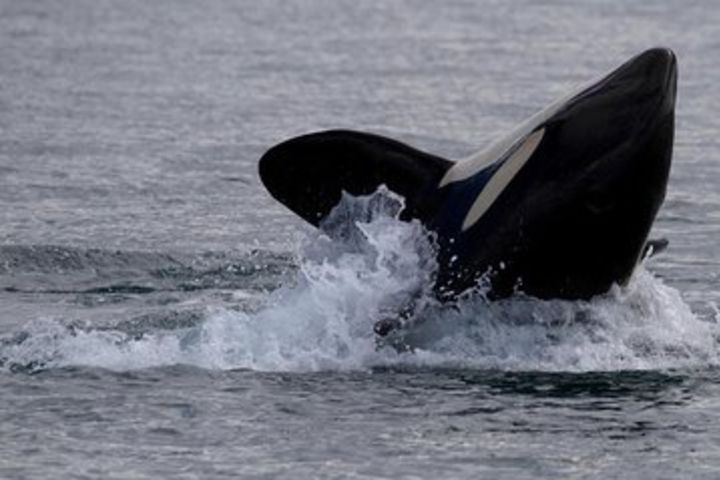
162	317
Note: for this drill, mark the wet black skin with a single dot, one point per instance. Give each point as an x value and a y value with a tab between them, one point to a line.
574	220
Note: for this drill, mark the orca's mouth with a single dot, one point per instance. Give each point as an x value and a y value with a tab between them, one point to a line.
650	77
671	82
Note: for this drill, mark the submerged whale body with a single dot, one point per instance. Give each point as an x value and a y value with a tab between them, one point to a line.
561	207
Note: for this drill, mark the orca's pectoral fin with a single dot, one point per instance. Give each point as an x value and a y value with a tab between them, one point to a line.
398	320
385	326
309	173
653	247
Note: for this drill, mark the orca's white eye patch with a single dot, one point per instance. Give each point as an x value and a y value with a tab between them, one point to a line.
502	177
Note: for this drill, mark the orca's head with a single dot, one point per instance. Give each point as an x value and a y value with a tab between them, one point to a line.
593	174
618	130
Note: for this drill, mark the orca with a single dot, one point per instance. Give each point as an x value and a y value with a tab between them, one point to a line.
561	207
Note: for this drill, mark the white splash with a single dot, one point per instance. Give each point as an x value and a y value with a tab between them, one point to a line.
368	263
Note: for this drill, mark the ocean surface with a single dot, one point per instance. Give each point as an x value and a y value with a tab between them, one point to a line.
162	317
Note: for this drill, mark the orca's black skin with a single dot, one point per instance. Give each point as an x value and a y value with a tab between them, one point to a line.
571	222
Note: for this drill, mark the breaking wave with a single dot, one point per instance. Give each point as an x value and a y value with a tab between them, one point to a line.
367	265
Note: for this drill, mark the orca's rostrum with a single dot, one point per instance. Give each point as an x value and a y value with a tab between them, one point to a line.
559	208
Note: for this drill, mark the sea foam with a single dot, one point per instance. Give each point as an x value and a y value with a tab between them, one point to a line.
366	264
